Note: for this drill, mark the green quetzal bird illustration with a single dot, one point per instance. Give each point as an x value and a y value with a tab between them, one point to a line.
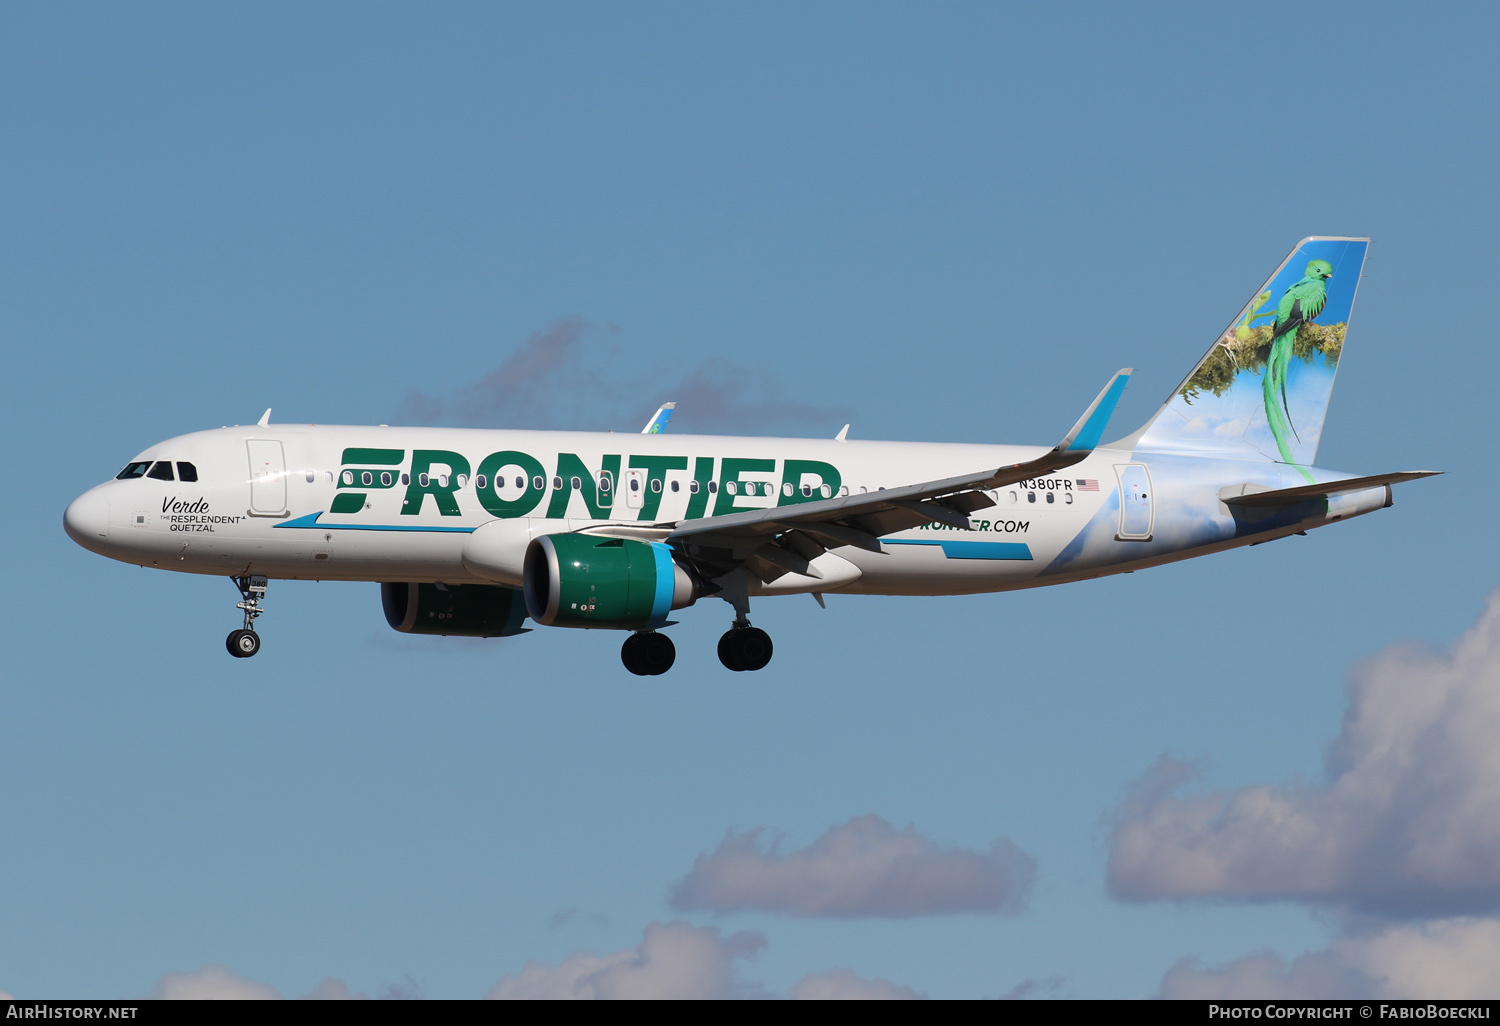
1301	302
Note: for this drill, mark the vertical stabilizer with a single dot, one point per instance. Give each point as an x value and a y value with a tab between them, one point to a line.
1262	390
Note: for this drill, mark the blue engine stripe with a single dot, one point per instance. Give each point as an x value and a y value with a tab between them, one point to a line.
666	580
974	549
311	520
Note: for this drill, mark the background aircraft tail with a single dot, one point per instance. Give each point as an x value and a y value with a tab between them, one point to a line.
1262	389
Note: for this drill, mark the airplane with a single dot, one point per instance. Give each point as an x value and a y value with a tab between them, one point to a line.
473	533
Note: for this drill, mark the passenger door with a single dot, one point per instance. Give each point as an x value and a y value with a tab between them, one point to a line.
267	477
1136	511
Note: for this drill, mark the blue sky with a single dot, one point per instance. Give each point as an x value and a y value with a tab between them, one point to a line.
937	222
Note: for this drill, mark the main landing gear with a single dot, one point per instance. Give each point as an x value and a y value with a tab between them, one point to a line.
244	643
647	653
744	647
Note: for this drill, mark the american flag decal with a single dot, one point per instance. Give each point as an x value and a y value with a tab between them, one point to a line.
1088	484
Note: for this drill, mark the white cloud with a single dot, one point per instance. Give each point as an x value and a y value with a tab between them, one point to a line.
331	989
674	960
1453	959
865	867
211	983
1407	822
844	985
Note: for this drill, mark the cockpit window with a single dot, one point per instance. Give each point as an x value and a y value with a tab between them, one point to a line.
133	470
186	471
162	471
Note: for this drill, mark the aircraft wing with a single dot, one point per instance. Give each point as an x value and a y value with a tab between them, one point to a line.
780	539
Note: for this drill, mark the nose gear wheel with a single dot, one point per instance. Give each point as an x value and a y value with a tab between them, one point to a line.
244	643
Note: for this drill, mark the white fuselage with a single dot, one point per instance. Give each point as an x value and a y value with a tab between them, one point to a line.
293	502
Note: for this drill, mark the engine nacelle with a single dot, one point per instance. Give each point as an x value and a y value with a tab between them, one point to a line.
581	580
458	610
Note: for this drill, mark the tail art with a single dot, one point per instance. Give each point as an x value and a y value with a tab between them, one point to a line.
1262	389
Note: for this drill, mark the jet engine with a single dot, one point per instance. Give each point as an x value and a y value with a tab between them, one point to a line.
461	610
580	580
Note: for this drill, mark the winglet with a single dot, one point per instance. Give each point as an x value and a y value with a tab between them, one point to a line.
658	422
843	435
1090	427
265	418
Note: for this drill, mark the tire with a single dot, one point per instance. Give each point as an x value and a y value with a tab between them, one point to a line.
630	655
755	648
729	651
242	644
657	653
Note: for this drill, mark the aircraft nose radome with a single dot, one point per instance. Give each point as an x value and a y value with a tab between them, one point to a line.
87	518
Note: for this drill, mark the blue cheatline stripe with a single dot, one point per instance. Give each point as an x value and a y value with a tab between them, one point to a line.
1093	428
974	549
311	520
666	579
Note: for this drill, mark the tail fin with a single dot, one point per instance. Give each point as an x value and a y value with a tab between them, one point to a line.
1261	391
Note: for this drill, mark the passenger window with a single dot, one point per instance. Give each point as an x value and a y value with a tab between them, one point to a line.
442	480
329	474
463	479
844	490
729	486
635	484
423	480
786	489
521	482
605	482
807	491
133	470
1031	496
577	483
656	484
1068	498
188	472
367	478
675	486
405	479
385	479
826	491
713	486
557	484
693	487
539	482
479	481
348	477
1049	497
162	471
1013	498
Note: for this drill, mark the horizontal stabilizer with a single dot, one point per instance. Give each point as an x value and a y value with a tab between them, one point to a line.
1301	493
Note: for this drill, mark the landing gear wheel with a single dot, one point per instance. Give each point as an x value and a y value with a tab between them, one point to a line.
745	648
242	644
648	654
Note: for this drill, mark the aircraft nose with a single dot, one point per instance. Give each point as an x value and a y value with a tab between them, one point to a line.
87	518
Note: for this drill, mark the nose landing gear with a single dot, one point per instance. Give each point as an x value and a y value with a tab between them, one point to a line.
647	653
244	643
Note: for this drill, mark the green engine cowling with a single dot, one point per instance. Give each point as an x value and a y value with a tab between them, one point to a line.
456	610
580	580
